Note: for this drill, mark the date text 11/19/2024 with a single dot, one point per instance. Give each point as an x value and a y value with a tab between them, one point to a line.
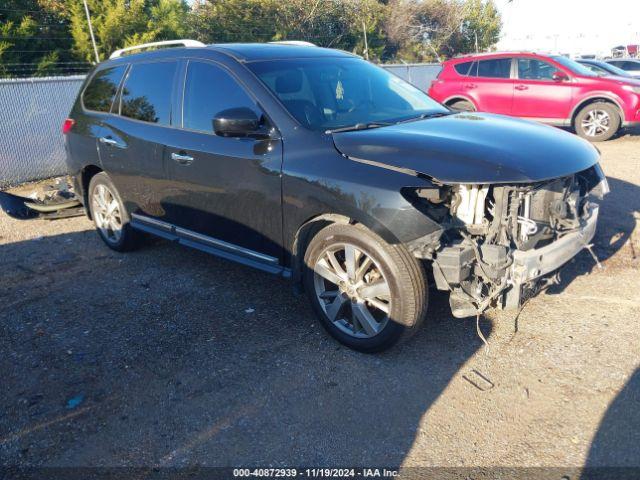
314	472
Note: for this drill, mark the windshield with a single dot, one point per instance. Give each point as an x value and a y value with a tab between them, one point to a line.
612	69
324	94
574	66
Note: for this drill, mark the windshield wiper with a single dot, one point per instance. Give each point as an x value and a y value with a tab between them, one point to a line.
358	126
425	115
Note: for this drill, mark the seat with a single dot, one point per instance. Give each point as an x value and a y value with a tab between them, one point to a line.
303	109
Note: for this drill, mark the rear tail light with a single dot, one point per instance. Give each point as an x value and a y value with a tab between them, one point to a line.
68	125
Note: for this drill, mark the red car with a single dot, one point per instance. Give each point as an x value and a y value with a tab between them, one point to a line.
550	89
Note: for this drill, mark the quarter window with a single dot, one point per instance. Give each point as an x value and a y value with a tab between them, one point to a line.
146	94
208	91
98	95
495	68
532	69
463	68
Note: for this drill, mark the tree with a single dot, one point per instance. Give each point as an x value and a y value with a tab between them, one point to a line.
34	38
328	23
122	23
435	29
223	21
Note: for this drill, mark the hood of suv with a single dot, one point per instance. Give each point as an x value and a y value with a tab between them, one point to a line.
472	148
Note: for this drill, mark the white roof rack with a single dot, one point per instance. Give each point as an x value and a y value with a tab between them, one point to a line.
184	43
299	43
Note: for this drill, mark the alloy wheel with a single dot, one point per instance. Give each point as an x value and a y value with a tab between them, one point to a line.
597	122
352	290
106	212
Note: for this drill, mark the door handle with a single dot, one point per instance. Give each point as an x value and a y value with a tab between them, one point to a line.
108	141
522	87
182	159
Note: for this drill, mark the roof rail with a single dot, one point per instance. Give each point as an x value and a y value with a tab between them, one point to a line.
299	43
184	43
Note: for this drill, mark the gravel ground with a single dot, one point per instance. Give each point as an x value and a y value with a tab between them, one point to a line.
170	357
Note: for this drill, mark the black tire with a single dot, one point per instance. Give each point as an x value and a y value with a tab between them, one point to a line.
403	273
129	238
462	106
612	121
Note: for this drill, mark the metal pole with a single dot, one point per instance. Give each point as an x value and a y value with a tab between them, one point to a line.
366	44
93	39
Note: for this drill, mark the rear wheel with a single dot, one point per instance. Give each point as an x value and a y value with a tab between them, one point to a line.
462	106
597	122
368	294
109	215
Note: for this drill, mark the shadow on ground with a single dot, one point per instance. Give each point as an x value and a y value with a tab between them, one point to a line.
616	224
615	448
169	357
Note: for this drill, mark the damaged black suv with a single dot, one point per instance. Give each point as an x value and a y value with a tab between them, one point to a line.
316	165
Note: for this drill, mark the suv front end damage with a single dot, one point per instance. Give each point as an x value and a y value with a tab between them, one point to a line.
502	243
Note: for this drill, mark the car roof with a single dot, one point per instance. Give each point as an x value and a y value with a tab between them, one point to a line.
249	52
488	55
241	52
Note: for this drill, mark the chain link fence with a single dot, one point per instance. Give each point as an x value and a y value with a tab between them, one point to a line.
32	112
419	75
31	115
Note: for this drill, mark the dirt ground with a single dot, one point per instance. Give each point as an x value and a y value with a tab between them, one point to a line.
170	357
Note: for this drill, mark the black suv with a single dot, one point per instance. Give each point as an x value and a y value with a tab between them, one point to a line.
316	165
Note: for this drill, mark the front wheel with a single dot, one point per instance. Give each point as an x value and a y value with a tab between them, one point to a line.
597	122
368	294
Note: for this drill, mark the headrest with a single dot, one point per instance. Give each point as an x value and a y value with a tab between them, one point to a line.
290	82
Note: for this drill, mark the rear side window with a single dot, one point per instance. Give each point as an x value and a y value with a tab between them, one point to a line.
495	68
208	91
146	94
463	68
98	95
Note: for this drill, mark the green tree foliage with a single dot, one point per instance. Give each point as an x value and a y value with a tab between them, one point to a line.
328	23
46	36
33	38
121	23
428	30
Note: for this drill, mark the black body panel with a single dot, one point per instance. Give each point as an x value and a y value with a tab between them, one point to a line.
473	148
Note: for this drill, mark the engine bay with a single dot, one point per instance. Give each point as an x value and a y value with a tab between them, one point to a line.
492	229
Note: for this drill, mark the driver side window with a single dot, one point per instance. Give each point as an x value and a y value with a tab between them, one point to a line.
208	91
533	69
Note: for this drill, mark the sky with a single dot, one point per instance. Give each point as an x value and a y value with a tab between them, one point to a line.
575	27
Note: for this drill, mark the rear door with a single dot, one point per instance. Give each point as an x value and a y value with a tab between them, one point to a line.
490	83
537	95
227	189
95	104
131	144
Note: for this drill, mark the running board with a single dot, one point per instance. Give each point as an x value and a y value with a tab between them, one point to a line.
209	245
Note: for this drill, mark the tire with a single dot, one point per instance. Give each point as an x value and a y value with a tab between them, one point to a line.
387	275
597	122
462	106
102	190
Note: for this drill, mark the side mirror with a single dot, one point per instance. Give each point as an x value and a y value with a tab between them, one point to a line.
560	76
236	122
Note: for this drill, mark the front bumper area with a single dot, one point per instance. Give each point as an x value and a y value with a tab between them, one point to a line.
533	264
